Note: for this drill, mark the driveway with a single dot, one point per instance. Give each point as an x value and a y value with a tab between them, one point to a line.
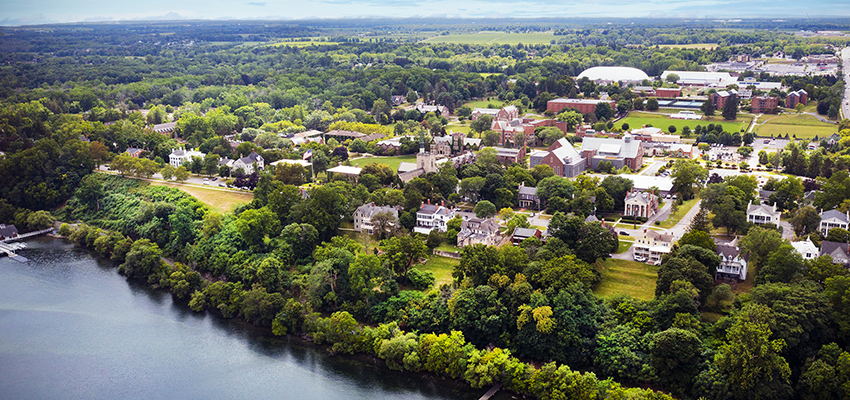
787	230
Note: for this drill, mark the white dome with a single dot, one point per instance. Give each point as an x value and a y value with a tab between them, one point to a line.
614	74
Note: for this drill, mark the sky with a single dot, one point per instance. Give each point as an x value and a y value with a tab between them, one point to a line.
31	12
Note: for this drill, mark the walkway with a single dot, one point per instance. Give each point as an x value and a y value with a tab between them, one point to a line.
26	235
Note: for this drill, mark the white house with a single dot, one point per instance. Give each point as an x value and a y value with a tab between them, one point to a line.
430	217
733	265
180	156
478	231
806	248
363	216
640	204
247	163
651	246
762	214
833	219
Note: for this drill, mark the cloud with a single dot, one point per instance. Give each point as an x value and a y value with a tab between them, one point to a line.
257	3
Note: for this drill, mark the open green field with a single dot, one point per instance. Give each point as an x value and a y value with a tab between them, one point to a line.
494	38
484	103
441	267
636	119
304	43
623	247
627	277
220	200
677	216
458	127
803	125
393	162
702	46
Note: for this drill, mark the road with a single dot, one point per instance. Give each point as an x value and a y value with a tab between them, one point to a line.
845	106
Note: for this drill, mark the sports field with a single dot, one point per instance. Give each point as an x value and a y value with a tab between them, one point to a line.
636	119
627	277
494	38
803	125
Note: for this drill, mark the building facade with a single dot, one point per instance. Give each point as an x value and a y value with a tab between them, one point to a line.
640	204
833	219
762	214
650	246
363	216
585	106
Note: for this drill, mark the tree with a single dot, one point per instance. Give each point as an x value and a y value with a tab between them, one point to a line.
471	187
683	269
384	224
484	209
572	118
603	111
761	242
708	107
687	178
698	238
401	252
181	174
730	108
675	357
554	186
481	124
40	220
672	78
671	129
745	151
805	221
782	265
652	104
751	361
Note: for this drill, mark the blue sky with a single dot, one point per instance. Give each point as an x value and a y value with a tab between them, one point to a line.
27	12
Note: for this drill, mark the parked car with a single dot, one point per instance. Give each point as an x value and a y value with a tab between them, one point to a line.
221	185
624	233
206	183
640	259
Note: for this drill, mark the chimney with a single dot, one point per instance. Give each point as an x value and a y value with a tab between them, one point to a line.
422	205
443	203
429	202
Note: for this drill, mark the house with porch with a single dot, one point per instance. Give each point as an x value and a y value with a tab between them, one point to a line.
651	246
806	248
527	197
833	219
363	216
640	204
762	214
733	262
432	216
840	252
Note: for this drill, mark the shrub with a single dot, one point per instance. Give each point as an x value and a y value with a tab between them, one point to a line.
420	280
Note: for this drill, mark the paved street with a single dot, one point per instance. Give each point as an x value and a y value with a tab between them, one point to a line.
845	107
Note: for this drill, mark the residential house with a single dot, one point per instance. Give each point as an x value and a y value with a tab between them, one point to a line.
363	216
640	204
764	104
584	106
762	214
478	231
135	152
437	109
794	98
521	234
840	252
397	100
8	231
806	248
733	264
833	219
527	197
180	156
562	157
619	152
431	216
651	245
247	163
165	128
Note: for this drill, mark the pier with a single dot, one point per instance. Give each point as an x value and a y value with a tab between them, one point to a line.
9	247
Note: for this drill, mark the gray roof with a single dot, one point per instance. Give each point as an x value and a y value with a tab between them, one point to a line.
251	158
729	251
488	225
834	214
628	149
591	218
524	232
166	127
838	251
8	230
764	208
639	196
529	190
133	150
368	210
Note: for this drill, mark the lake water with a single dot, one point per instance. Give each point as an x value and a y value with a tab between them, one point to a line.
71	327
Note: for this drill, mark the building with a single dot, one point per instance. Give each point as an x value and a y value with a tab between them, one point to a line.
840	252
794	98
806	248
562	157
720	98
521	234
613	74
363	216
764	104
733	264
619	152
584	106
345	170
8	231
437	109
134	152
397	100
668	93
430	217
640	204
509	155
507	113
479	231
180	156
165	128
248	162
833	219
699	78
762	214
527	197
650	246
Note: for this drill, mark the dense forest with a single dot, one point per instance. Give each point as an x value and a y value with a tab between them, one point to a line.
525	316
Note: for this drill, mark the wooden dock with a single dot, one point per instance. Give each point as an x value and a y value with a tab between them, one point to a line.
8	246
491	392
26	235
10	251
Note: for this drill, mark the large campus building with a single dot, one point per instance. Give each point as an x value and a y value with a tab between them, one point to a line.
585	106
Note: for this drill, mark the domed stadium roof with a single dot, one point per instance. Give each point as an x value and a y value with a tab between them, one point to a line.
614	74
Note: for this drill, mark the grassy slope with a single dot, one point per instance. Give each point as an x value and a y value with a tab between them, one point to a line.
677	216
441	267
802	125
627	277
220	200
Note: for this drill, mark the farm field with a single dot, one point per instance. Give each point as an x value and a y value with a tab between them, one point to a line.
392	162
627	277
804	126
221	200
494	38
637	119
702	46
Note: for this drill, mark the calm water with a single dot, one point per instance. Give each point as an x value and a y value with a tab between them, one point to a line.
72	328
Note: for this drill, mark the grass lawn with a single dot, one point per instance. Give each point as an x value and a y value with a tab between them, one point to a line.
704	46
677	216
441	267
365	240
448	247
623	247
494	38
636	119
803	125
484	103
458	127
393	162
222	201
627	277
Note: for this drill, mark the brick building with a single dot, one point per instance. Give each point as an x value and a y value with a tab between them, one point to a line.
794	98
585	106
764	104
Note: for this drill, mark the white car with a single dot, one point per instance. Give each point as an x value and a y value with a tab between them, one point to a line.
640	258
